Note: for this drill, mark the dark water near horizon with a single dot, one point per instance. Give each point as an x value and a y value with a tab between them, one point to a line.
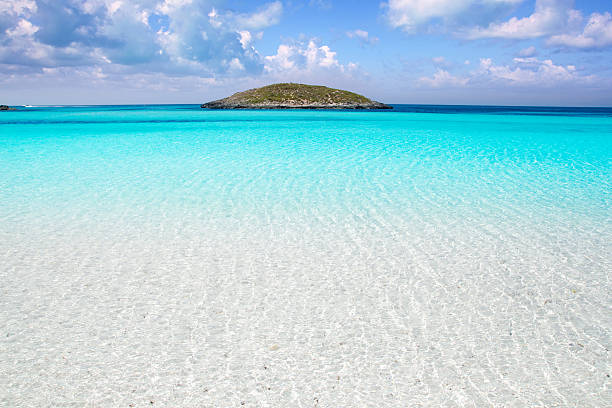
397	108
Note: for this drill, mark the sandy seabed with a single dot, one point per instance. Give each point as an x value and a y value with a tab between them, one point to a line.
173	257
367	311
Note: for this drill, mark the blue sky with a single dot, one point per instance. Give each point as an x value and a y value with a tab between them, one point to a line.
510	52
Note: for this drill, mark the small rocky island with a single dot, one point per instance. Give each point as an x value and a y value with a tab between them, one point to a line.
295	96
5	108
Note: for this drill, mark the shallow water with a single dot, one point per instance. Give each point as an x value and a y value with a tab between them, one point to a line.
431	256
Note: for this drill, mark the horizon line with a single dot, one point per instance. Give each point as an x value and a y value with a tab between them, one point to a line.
389	103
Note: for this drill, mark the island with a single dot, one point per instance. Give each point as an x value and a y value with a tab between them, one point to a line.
295	96
6	108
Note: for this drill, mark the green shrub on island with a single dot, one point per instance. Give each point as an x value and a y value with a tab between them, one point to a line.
295	96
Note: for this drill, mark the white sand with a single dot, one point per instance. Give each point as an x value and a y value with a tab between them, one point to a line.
373	311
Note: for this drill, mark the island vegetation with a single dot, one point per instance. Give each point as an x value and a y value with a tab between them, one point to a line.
5	108
295	96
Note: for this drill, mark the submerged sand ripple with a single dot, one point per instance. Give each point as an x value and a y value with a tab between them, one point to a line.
305	259
334	316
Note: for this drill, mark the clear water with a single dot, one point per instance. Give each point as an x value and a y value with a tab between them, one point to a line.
433	256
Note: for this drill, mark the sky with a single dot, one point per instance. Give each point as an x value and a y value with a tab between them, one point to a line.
495	52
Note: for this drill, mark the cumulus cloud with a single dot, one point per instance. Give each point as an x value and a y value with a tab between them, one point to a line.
178	37
549	16
363	36
246	38
311	62
555	20
13	9
409	15
302	57
596	34
521	72
17	7
23	29
200	38
531	71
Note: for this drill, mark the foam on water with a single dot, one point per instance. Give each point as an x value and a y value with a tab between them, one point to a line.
181	257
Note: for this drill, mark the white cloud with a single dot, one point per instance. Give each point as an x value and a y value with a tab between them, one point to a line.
528	52
411	14
443	78
213	18
112	7
358	34
302	57
246	38
530	71
310	62
236	65
362	36
23	28
168	6
266	16
321	56
549	17
283	59
556	20
17	7
178	37
596	34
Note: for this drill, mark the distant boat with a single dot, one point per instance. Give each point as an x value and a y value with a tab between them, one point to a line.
27	106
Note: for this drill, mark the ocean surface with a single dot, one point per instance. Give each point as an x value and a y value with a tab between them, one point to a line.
169	256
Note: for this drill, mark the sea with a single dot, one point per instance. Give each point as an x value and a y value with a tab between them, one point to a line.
170	256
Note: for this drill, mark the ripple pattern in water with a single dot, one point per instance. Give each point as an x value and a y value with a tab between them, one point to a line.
178	257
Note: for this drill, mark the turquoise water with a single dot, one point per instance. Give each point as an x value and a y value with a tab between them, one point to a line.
240	164
431	255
